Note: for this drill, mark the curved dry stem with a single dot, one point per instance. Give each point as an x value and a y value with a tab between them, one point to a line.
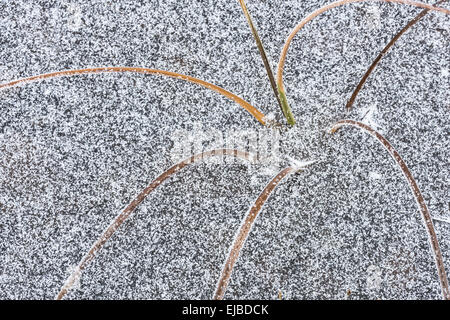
247	106
244	231
417	194
117	222
383	52
321	10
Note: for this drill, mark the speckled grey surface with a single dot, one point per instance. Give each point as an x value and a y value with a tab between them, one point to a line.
74	151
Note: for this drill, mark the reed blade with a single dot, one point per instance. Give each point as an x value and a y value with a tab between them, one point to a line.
244	230
423	209
325	8
125	214
383	52
258	115
282	101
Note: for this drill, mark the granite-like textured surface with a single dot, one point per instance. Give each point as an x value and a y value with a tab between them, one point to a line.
74	151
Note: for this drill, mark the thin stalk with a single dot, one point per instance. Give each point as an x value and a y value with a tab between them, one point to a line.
321	10
428	221
119	220
245	230
247	106
383	52
287	112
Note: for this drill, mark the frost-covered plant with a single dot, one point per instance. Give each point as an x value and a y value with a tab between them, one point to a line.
281	97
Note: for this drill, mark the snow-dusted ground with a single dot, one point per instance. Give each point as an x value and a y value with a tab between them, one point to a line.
75	151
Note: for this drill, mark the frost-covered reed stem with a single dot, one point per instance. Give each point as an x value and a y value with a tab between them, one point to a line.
383	52
244	230
117	222
428	221
247	106
287	112
321	10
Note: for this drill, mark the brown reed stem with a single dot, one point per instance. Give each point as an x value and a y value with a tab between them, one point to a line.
321	10
244	231
117	222
417	194
247	106
383	52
